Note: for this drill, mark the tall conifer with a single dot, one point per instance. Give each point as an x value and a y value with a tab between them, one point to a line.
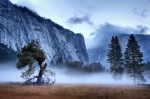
133	60
115	58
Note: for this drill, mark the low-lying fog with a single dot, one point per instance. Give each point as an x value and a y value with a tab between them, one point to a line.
64	76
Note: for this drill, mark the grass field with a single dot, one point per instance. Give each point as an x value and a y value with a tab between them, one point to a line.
64	91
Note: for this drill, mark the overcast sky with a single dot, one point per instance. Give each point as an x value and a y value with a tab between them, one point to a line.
90	17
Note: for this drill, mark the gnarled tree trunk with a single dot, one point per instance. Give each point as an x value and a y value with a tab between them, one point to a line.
40	81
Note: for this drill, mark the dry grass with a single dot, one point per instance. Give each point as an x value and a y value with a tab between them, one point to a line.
11	91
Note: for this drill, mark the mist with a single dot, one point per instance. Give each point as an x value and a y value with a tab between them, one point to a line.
74	77
9	73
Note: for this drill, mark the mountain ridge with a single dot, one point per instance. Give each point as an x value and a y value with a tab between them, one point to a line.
19	25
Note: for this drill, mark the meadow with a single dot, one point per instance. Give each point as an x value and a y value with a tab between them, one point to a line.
73	91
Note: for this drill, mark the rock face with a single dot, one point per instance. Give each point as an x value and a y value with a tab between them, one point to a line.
18	26
100	53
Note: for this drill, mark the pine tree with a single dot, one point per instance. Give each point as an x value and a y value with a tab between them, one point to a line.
29	56
115	58
133	60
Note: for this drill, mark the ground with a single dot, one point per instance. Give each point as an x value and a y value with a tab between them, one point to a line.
64	91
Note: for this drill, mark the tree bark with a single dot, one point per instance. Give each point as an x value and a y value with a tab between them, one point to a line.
41	71
39	78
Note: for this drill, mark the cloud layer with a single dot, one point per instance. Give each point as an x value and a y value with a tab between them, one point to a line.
80	20
102	36
139	12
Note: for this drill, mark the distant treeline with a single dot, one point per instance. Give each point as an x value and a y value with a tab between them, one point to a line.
7	54
80	66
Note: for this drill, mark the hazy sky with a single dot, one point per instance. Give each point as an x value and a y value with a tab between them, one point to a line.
89	16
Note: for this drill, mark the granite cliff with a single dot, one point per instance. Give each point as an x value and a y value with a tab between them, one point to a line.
19	25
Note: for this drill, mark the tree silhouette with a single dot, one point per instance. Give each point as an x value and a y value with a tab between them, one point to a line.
115	58
133	60
32	56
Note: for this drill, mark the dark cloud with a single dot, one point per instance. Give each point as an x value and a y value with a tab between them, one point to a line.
79	20
92	34
106	31
139	12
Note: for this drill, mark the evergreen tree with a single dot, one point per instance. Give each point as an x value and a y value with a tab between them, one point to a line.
133	60
29	56
115	58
